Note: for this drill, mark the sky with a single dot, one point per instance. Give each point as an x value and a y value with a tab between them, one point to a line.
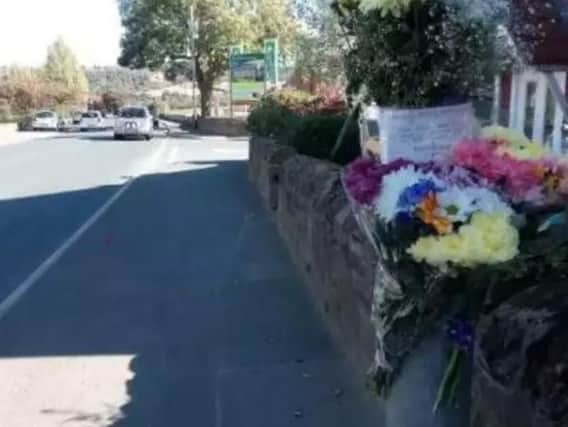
90	27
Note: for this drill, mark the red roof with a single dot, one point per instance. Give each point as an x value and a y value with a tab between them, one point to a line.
540	29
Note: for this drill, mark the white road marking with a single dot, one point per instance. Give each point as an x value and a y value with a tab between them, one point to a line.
17	294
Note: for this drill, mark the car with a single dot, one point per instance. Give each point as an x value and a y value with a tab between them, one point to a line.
91	120
45	120
134	121
109	120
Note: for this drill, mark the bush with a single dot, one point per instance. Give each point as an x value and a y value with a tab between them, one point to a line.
316	136
277	113
311	124
25	123
6	115
420	53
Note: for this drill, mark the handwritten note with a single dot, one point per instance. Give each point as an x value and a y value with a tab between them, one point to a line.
423	134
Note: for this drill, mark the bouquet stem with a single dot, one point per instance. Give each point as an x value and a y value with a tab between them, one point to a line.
451	380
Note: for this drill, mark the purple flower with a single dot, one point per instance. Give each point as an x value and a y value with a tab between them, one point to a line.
363	178
461	332
414	194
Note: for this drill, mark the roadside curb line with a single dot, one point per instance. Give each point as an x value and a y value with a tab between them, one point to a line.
17	294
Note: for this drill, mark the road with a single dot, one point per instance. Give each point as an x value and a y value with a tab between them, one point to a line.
142	284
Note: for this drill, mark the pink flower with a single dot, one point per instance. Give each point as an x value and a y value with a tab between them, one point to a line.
518	178
477	155
364	176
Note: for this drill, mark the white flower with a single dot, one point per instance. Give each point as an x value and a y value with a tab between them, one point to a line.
386	206
458	204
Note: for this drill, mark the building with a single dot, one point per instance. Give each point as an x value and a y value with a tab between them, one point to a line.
533	98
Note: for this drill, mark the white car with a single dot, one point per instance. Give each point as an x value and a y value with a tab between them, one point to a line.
45	120
91	120
134	121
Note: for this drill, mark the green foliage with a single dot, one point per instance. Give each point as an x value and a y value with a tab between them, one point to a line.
107	103
434	53
119	81
316	136
6	115
157	31
178	101
295	100
320	47
311	124
60	84
271	18
277	113
63	69
25	89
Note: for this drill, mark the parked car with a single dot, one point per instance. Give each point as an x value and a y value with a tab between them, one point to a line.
91	120
45	120
109	121
134	121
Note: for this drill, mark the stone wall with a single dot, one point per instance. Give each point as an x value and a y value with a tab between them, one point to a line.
521	365
316	222
520	371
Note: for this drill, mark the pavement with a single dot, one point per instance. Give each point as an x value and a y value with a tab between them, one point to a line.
10	135
143	284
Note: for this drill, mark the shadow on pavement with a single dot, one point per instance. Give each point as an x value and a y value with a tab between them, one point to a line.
31	228
186	275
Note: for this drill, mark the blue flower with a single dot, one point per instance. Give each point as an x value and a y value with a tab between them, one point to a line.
414	194
461	332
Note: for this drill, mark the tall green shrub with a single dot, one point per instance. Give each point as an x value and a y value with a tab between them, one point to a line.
277	113
316	136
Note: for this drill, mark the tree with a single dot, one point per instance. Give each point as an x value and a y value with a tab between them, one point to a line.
159	31
118	80
63	69
320	46
22	88
272	18
124	7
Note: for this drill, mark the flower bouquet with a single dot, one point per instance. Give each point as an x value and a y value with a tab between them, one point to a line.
455	238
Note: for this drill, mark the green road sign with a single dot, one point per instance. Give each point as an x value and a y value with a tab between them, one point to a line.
271	52
247	76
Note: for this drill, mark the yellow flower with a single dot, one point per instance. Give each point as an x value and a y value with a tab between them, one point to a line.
487	239
514	143
394	7
530	151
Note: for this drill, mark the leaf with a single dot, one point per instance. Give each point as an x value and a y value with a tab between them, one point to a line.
557	219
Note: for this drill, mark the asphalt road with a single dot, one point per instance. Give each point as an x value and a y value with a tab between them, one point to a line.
142	284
